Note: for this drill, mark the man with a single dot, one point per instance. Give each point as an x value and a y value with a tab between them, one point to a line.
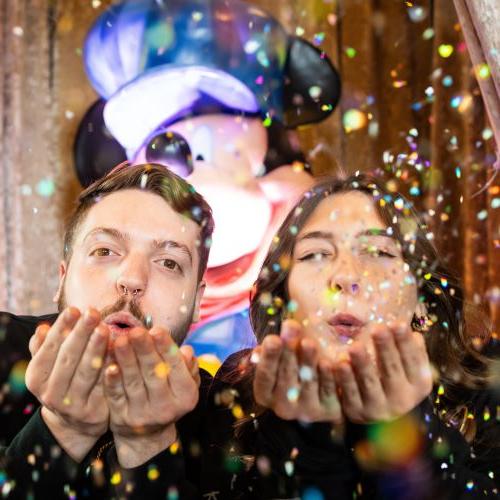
116	392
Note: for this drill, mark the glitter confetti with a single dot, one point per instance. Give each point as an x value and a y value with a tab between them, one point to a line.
350	52
16	377
417	14
482	71
315	92
399	83
267	121
237	412
263	59
456	101
251	46
173	493
428	34
353	119
46	188
487	134
153	473
306	374
197	16
447	81
264	465
116	478
445	50
162	370
293	394
486	414
318	38
332	19
311	493
289	468
399	203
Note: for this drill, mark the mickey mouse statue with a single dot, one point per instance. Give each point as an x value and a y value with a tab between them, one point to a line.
213	89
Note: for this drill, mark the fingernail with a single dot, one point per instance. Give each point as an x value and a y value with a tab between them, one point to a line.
121	341
156	332
381	336
290	329
72	313
101	331
136	332
90	315
273	345
344	368
400	330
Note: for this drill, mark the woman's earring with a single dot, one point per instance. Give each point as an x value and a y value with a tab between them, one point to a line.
421	323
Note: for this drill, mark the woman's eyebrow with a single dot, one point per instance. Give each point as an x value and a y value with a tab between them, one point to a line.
376	231
322	235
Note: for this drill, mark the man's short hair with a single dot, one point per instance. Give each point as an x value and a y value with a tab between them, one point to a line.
152	178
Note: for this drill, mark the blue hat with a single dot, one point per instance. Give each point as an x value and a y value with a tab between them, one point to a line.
153	59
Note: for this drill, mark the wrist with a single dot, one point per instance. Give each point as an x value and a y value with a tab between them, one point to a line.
73	441
133	451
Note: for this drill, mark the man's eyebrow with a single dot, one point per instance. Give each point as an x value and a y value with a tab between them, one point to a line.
114	233
163	244
314	235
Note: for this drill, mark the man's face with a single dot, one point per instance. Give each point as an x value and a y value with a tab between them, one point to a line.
136	260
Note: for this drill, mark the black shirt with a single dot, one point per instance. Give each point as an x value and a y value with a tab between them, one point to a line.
226	453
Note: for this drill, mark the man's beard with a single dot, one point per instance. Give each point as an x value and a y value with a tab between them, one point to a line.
178	333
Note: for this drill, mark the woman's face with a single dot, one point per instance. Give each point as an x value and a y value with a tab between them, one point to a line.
348	273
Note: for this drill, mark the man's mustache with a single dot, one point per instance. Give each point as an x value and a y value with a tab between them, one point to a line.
122	304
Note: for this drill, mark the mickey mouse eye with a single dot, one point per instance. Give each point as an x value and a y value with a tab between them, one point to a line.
202	143
173	150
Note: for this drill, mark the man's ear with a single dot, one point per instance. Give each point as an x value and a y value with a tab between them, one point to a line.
199	295
62	274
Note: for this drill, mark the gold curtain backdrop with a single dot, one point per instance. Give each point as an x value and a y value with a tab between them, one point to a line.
411	106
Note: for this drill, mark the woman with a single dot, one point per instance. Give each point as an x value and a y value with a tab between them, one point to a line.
354	313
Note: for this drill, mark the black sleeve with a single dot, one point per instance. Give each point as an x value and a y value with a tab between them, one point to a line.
160	477
420	454
267	457
414	457
37	465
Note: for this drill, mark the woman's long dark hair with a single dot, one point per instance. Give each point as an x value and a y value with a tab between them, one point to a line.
452	342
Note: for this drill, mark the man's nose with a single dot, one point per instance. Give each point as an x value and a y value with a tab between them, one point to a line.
133	277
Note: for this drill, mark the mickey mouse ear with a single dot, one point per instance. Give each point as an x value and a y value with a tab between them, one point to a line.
96	151
312	85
